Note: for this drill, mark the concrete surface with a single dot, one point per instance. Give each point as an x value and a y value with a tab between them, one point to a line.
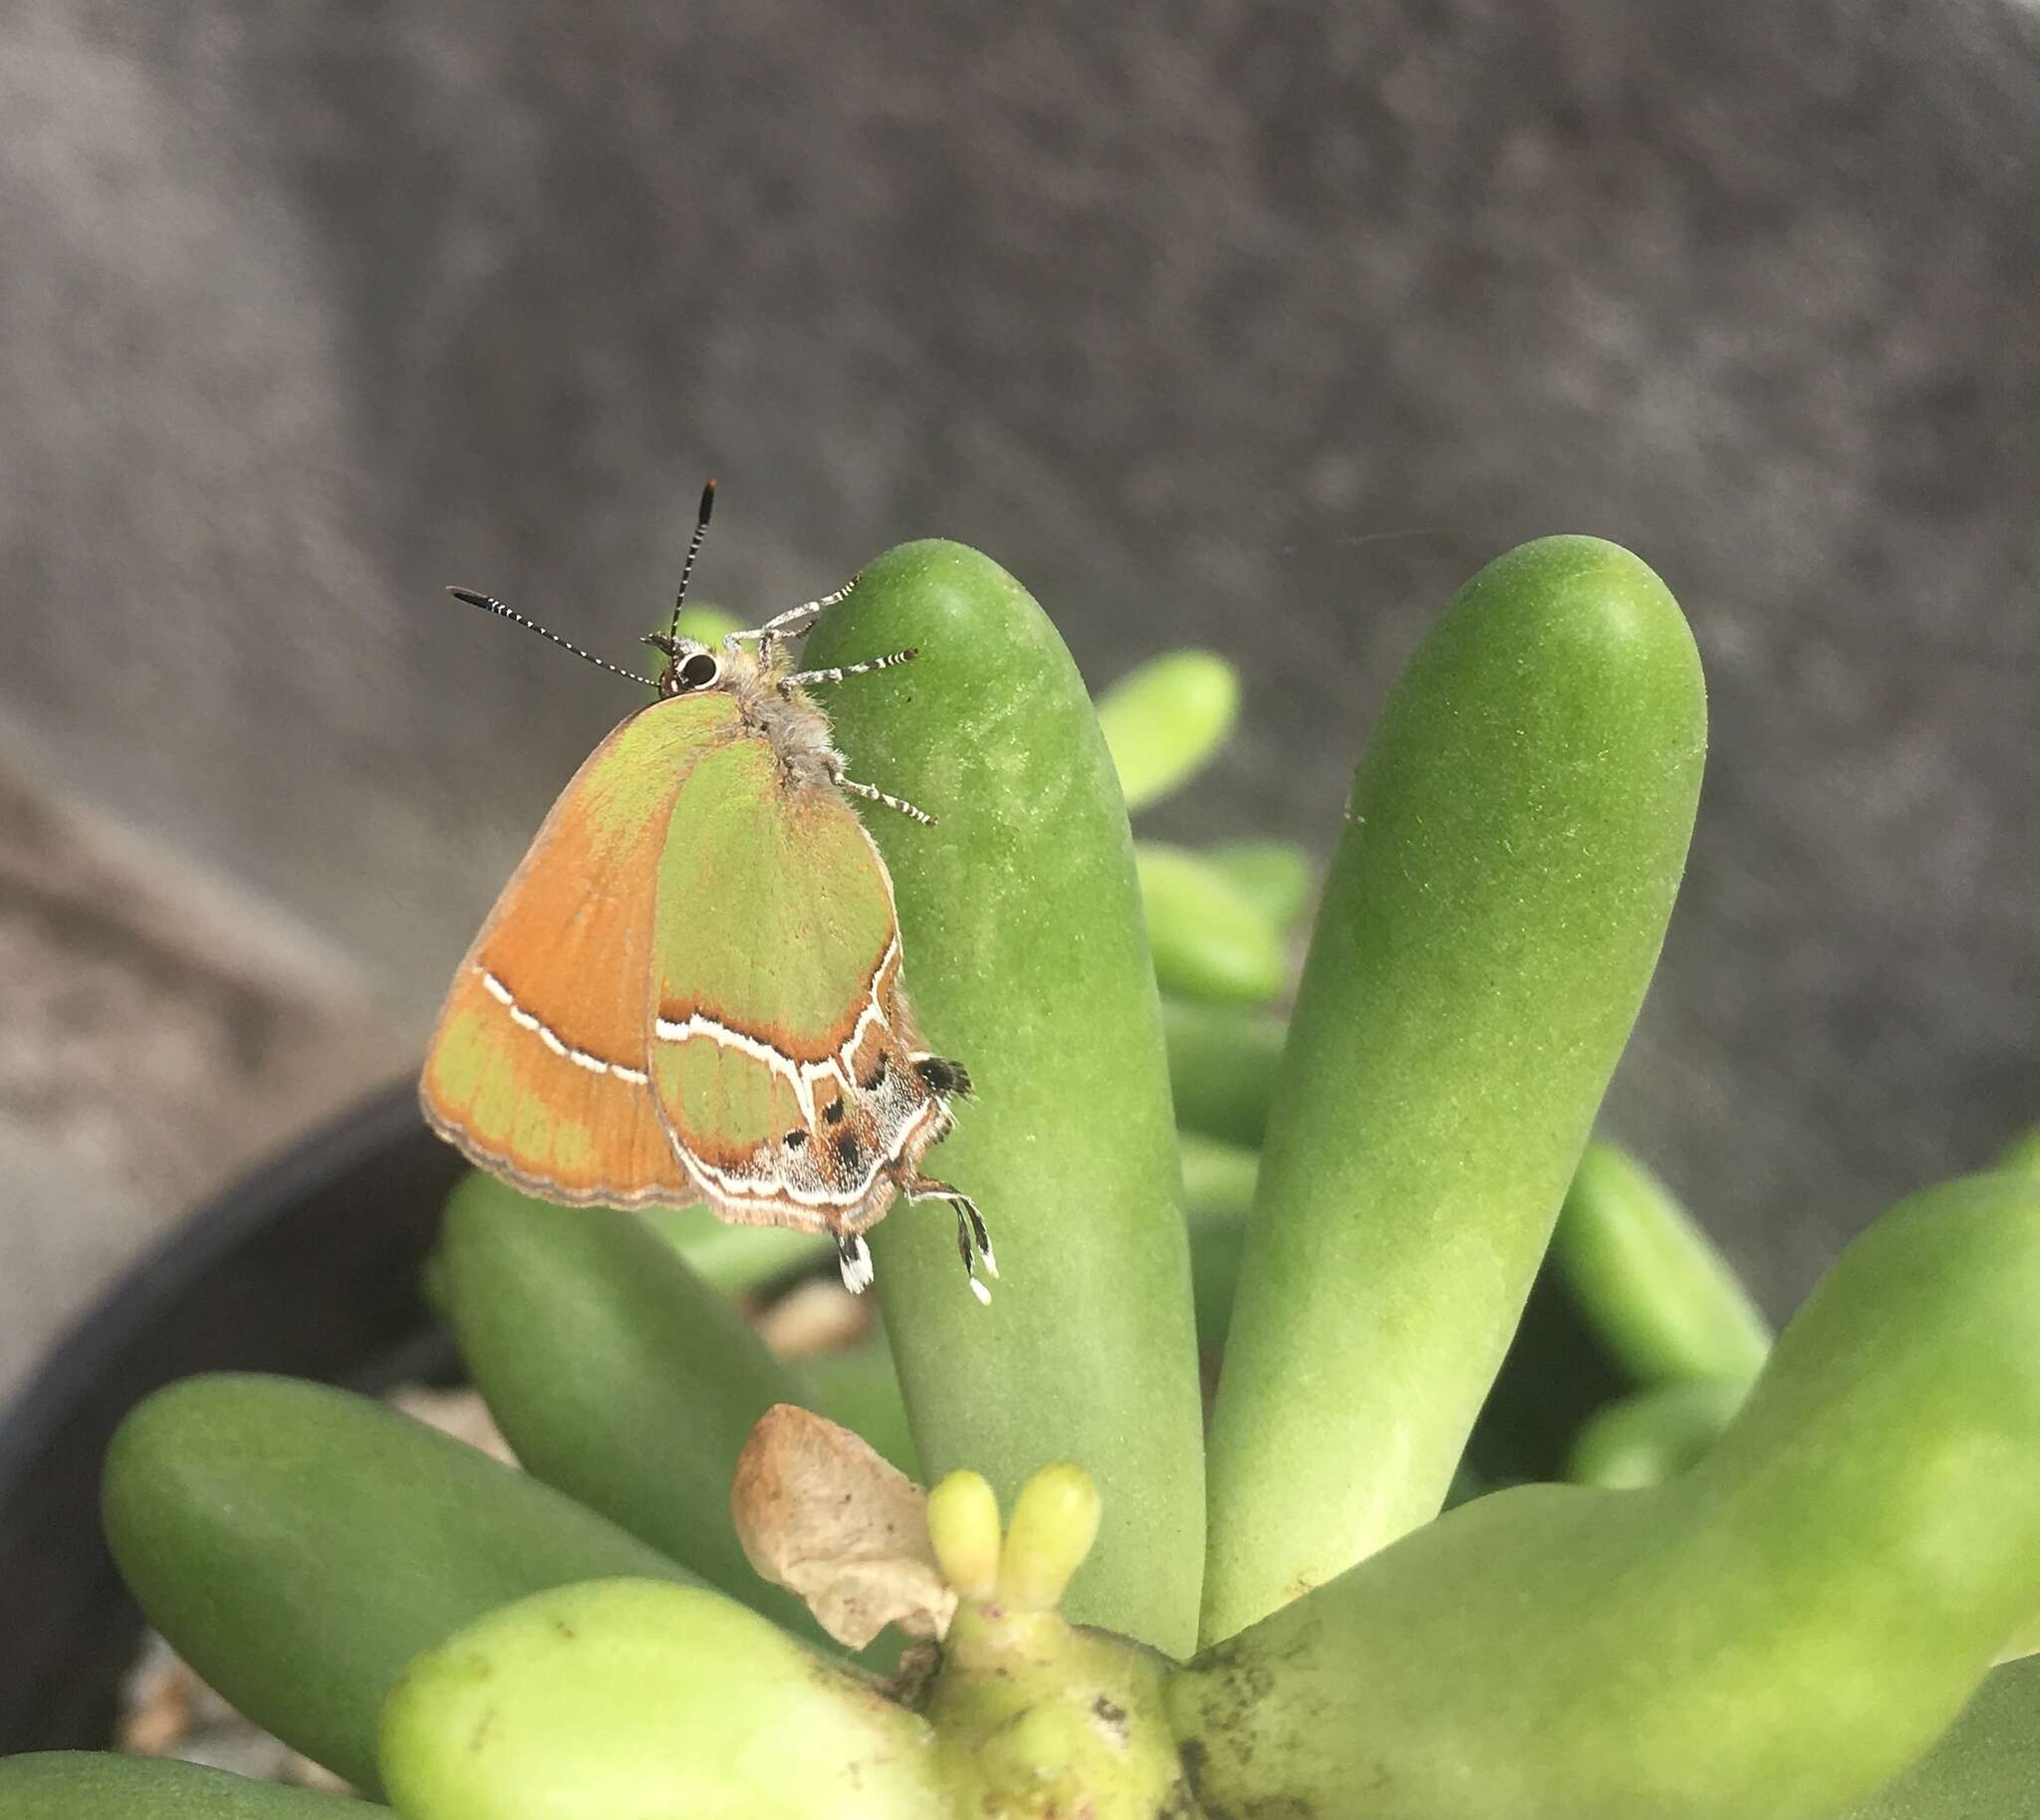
1255	327
163	1033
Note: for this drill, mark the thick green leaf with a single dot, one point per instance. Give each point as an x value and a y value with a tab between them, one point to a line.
96	1785
1772	1635
2022	1155
1218	1188
616	1374
735	1258
1276	877
1651	1437
1657	1293
858	1387
637	1700
1492	916
1209	940
1025	959
1986	1765
1218	1178
298	1545
1222	1068
704	624
1165	721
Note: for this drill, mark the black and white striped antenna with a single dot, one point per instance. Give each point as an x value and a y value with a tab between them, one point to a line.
490	603
694	544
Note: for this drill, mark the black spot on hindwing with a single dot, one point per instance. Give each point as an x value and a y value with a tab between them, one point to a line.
849	1153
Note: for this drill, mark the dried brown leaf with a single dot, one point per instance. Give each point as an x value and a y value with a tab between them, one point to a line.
819	1513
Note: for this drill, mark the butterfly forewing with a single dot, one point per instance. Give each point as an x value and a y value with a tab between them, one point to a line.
539	1067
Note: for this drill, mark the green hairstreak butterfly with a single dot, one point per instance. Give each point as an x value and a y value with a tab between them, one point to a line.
690	989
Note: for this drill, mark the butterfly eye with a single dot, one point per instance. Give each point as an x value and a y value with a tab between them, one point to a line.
700	671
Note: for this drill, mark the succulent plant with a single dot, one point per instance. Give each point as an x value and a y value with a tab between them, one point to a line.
1776	1591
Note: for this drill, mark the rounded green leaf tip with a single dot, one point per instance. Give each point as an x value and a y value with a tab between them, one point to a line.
1653	1435
296	1545
964	1525
1208	940
96	1785
2021	1157
1165	721
641	1698
1218	1178
1488	929
1025	958
1055	1521
1650	1283
1275	877
708	625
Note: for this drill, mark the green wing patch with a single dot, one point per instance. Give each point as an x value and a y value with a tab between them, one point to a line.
774	910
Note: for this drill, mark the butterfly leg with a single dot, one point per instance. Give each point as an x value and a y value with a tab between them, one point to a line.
804	677
872	794
973	1237
782	624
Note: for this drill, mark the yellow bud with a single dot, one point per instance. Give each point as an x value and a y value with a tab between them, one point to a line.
964	1525
1055	1521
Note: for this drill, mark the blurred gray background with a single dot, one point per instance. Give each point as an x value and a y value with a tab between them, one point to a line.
1259	328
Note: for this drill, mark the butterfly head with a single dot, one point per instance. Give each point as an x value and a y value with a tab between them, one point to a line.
692	668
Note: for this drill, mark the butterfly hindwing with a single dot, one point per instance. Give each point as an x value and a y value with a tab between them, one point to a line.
538	1069
780	1037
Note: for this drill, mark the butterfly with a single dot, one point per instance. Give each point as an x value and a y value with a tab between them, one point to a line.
691	988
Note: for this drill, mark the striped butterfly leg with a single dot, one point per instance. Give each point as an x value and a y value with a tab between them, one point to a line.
794	623
806	678
837	775
974	1237
872	794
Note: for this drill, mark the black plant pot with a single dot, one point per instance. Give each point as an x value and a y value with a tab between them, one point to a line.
311	1266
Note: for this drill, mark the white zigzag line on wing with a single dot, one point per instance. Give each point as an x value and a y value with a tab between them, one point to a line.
776	1187
552	1039
800	1076
873	1012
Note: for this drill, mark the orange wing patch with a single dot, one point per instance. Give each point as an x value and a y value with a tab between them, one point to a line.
549	1115
537	1069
